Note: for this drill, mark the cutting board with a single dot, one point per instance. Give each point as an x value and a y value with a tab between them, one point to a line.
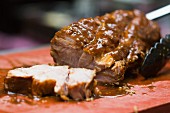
149	96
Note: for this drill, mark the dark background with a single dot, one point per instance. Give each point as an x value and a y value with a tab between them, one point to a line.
32	23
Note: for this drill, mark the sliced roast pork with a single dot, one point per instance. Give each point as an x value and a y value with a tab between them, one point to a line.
79	84
43	80
111	44
37	80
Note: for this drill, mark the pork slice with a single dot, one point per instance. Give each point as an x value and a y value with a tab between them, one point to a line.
53	78
37	80
20	80
79	84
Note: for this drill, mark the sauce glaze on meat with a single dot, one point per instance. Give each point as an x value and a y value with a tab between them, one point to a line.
111	44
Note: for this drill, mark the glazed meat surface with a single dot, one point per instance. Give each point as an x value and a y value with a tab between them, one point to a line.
111	44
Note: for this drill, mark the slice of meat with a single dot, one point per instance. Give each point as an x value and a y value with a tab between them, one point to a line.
111	44
38	80
20	80
79	84
43	80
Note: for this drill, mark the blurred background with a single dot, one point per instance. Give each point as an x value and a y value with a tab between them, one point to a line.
32	23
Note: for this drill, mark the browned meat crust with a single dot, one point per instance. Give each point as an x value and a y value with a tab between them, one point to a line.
110	44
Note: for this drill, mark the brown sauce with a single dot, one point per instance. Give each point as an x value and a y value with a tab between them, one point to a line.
111	91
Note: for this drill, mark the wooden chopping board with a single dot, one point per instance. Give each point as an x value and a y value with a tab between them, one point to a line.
150	96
